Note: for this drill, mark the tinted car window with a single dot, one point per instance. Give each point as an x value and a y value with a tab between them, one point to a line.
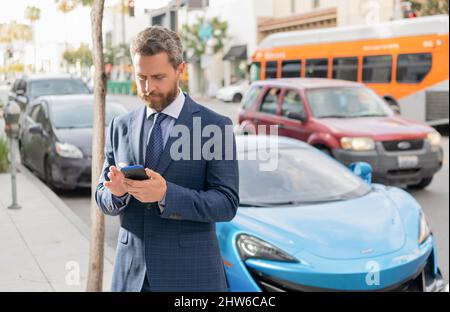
34	113
302	176
346	103
270	101
57	87
377	69
252	96
317	68
271	70
292	103
291	69
76	115
413	68
345	68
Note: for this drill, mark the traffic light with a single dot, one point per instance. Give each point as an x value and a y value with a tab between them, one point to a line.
131	8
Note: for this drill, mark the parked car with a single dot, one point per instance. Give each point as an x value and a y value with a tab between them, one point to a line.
313	225
349	122
234	92
28	88
55	140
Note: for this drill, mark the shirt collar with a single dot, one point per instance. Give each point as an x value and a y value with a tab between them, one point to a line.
174	108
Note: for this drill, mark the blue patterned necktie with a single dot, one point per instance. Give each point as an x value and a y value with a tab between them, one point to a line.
155	144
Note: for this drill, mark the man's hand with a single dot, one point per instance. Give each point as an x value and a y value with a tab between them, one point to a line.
116	183
148	191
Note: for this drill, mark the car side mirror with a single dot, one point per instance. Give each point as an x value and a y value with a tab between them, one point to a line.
296	116
363	170
37	129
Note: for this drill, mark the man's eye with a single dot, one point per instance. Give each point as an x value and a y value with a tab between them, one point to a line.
141	78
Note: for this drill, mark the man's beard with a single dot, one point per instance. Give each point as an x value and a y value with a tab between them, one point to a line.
159	101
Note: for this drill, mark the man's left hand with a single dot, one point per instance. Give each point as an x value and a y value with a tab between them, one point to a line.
148	191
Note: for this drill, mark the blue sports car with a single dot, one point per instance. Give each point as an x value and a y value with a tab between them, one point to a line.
314	225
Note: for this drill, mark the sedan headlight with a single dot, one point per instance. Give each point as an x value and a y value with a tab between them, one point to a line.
434	138
252	247
68	150
358	144
424	229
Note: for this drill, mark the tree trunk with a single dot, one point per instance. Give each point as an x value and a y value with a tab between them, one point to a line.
95	274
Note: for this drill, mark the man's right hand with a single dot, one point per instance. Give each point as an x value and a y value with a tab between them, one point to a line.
115	184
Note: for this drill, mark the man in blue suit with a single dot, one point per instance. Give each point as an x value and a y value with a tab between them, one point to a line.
167	239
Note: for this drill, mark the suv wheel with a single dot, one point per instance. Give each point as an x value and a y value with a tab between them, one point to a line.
422	184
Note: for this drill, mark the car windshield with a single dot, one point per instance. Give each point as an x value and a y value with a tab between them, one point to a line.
76	115
346	103
57	87
302	176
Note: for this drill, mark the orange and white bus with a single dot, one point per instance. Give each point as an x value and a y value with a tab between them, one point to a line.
404	61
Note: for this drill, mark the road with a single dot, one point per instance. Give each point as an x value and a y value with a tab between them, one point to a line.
434	199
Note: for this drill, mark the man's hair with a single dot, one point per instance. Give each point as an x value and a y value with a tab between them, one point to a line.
157	39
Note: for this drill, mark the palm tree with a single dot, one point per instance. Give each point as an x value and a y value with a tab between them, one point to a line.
33	14
96	252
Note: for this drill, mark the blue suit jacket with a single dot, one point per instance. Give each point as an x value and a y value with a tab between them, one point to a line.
178	248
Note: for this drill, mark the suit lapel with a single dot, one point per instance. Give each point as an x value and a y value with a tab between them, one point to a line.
136	127
185	119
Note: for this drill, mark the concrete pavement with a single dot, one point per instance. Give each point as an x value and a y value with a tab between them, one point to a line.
44	245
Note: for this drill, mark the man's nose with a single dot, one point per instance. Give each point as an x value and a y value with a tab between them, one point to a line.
149	87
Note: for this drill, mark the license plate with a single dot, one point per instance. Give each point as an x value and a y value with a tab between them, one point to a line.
408	161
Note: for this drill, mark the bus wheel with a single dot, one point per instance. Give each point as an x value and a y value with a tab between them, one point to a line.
393	105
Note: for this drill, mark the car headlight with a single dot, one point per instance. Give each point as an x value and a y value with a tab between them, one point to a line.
252	247
424	229
68	150
358	144
434	138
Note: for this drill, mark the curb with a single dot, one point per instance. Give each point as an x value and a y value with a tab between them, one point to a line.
109	253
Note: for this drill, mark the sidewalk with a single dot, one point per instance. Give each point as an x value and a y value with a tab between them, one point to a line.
39	240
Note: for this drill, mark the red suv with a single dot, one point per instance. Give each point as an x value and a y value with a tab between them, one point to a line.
349	122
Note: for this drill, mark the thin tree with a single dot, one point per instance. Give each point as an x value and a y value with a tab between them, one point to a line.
33	14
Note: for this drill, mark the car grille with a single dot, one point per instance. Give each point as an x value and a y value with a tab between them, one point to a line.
408	145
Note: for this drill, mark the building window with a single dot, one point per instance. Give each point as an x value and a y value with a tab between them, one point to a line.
271	70
291	69
315	4
377	69
317	68
413	68
345	68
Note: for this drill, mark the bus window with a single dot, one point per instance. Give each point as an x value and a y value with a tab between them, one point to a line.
255	71
317	68
271	69
377	69
412	68
291	69
345	68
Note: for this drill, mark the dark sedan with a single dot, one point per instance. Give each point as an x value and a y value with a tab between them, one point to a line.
55	139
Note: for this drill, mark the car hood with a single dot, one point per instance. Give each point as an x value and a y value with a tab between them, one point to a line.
81	138
381	128
365	227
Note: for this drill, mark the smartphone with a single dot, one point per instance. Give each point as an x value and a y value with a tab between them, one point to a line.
134	172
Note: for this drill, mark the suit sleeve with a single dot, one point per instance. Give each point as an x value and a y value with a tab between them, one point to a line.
107	202
219	201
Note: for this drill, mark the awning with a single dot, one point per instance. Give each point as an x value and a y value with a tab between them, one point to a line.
236	53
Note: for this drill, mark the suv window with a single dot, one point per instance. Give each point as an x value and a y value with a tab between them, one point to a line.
270	101
251	97
34	113
292	103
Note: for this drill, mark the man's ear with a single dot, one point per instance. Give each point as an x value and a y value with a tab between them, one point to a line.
181	68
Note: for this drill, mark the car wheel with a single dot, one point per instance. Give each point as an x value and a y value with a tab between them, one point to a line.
325	150
422	184
48	173
237	98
